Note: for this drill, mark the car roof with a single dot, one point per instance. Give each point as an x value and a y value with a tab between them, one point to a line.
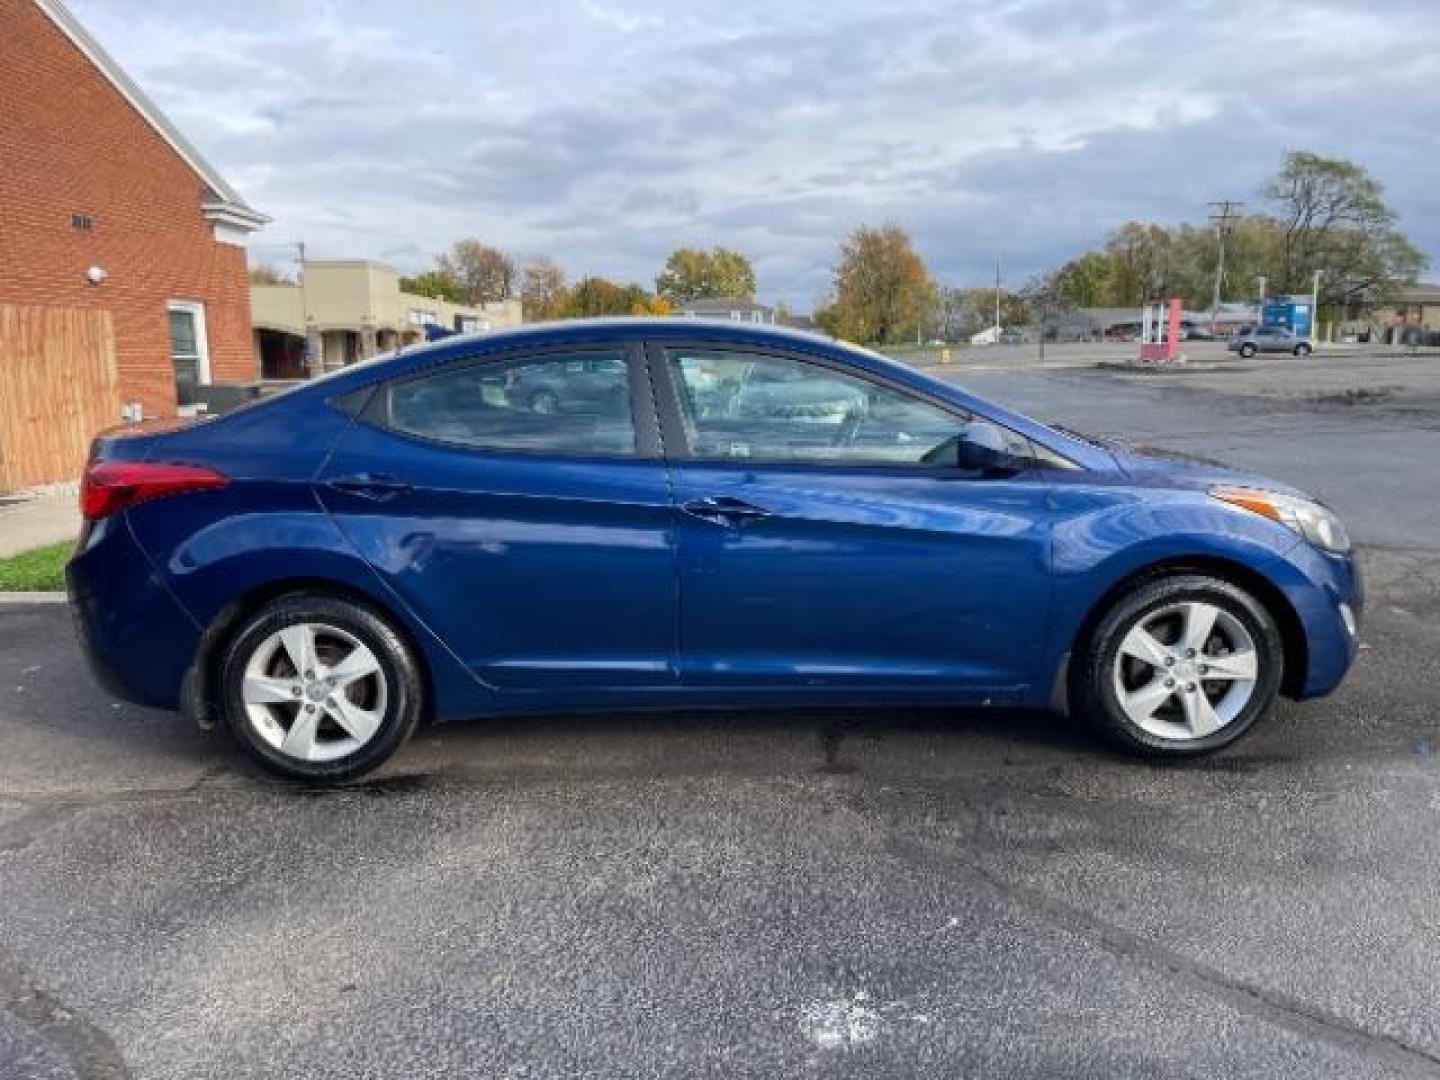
606	329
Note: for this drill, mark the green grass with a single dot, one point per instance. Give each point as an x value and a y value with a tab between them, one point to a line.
40	569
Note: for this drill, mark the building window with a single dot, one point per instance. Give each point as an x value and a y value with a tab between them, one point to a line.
189	351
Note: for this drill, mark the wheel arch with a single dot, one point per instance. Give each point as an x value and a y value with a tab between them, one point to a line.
1270	595
201	681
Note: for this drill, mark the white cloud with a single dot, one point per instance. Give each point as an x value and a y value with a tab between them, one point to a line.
605	132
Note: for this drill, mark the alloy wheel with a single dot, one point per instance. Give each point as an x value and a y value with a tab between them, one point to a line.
314	692
1185	670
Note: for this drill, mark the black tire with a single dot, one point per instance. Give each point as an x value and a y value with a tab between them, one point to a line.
1302	350
404	686
1247	351
544	402
1093	694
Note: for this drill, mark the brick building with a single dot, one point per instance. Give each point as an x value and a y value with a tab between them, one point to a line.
105	205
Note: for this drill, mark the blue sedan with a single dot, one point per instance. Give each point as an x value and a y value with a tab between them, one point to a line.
664	514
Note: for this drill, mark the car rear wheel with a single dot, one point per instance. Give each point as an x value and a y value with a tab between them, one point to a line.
319	688
1247	351
1181	666
1302	350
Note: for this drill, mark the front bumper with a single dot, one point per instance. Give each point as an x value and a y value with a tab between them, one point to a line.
1328	595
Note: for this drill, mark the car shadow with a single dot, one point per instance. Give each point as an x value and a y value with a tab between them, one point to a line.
754	743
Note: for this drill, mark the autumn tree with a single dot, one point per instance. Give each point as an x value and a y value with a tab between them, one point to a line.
1326	215
593	297
543	294
827	316
1086	281
655	306
483	273
267	274
434	283
881	285
691	274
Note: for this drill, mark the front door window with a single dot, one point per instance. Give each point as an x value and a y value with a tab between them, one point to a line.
764	408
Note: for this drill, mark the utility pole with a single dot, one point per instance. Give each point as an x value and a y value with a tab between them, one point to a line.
314	343
1315	311
1224	211
1260	311
997	301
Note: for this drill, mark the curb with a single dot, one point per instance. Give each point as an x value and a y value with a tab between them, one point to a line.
33	598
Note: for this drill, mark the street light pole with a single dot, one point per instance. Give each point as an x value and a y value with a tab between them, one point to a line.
1260	311
1315	311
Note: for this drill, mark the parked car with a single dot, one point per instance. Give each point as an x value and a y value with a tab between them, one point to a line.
410	538
1271	339
574	385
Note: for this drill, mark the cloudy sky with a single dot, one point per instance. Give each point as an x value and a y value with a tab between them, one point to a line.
606	132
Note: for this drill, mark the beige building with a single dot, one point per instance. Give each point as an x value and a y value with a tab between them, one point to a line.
1413	318
343	311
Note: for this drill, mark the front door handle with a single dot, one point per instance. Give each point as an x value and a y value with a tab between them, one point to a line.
725	510
373	486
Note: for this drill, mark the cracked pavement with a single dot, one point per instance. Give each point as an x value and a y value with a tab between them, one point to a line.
859	894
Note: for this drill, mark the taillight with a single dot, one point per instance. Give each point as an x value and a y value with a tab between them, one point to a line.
110	486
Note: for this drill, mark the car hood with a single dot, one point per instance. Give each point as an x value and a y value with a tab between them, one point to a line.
1175	468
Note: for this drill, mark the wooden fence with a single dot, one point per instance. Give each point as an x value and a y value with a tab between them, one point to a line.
57	389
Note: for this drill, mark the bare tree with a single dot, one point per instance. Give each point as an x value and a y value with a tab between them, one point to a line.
542	288
484	274
1336	222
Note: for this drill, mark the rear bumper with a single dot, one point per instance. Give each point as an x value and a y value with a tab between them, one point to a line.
136	637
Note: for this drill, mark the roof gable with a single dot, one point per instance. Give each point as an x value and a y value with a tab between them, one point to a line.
225	207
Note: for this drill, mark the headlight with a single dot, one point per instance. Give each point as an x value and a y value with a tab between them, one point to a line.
1309	519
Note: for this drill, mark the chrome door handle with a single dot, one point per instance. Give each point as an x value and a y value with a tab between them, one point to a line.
725	510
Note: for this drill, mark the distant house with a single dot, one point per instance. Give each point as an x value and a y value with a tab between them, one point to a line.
344	311
799	322
732	308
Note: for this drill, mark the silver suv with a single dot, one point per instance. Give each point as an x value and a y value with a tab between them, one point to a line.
1268	339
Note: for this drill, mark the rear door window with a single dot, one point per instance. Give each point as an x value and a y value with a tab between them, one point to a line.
572	403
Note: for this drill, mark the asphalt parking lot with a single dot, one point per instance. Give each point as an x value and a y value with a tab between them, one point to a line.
848	894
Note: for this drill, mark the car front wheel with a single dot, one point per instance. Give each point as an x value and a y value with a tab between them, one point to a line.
1302	350
318	688
1247	351
1181	666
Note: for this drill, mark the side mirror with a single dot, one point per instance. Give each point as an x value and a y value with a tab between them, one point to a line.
990	450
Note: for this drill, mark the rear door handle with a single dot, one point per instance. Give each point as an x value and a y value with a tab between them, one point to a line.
725	510
375	487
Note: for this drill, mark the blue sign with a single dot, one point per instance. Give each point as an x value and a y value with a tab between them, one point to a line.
1291	313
